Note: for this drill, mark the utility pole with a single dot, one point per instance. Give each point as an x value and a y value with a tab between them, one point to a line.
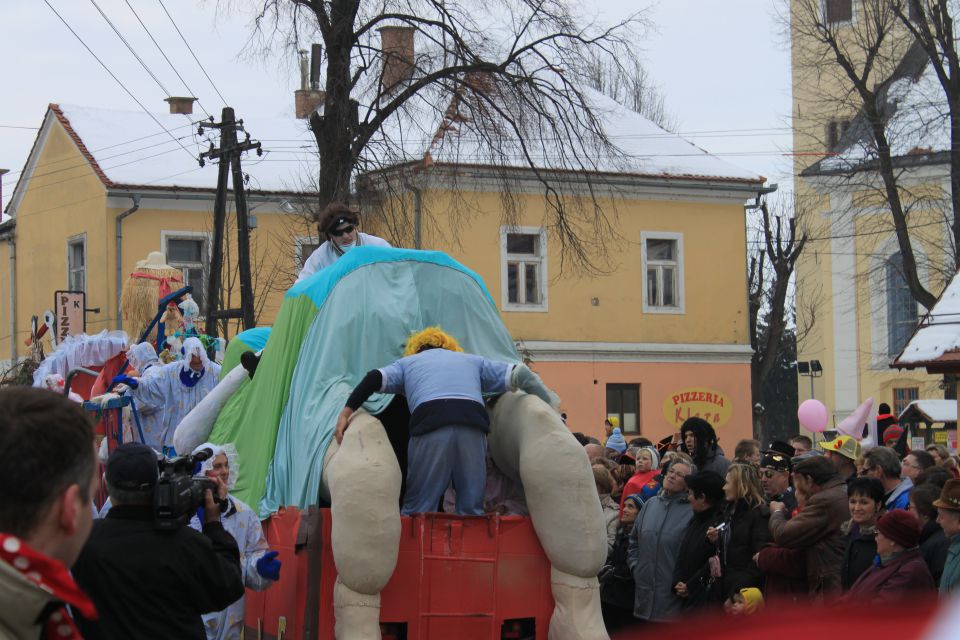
228	155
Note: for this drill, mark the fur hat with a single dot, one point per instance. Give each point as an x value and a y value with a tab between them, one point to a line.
901	527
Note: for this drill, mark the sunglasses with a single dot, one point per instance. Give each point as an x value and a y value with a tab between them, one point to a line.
339	232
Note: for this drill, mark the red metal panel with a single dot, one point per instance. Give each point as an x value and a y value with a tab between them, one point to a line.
456	577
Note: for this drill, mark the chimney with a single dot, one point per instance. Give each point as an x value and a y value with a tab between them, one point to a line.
309	96
398	55
180	104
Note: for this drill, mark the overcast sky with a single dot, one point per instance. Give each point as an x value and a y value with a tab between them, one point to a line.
722	65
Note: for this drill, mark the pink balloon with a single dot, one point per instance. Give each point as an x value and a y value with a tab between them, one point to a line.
813	415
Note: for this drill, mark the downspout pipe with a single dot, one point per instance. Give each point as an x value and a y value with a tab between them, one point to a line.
119	223
417	211
12	251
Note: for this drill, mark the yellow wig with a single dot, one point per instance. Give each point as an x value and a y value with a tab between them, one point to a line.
430	337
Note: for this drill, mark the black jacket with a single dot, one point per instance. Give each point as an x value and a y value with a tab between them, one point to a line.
692	568
747	531
933	548
147	583
858	554
616	579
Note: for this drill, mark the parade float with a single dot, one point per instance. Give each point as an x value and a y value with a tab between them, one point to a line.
353	567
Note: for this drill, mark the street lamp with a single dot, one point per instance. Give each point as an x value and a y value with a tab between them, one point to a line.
285	206
811	369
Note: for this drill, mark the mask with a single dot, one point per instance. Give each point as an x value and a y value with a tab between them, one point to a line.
346	247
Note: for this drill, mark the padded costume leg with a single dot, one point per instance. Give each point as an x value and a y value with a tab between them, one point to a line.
196	426
363	479
530	443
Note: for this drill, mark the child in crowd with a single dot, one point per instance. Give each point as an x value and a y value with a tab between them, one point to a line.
744	602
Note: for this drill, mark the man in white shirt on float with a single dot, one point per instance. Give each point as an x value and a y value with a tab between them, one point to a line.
338	223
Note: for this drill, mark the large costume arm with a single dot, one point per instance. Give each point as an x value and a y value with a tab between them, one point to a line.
196	426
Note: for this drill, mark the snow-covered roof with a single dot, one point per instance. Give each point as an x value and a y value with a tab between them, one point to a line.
917	121
133	149
938	332
932	410
130	148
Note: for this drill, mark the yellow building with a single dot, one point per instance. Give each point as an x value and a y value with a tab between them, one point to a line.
660	336
854	309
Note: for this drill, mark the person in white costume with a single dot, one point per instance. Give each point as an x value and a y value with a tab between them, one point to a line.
338	223
178	387
143	358
259	566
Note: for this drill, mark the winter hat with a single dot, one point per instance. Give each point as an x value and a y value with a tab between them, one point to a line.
636	499
616	442
613	421
656	456
892	433
901	527
752	599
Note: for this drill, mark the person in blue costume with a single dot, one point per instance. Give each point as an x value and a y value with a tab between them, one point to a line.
444	388
178	387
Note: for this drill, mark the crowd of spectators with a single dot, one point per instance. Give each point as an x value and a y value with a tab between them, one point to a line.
792	522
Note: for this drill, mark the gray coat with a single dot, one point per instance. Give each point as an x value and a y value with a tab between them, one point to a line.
654	544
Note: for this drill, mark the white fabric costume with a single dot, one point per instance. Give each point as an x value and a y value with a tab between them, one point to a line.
167	390
325	255
150	405
242	523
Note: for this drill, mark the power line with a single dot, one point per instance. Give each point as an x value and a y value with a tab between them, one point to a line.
143	64
112	75
14	126
99	149
160	49
209	79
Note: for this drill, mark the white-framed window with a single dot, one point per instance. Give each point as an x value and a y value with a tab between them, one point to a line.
189	251
77	263
523	268
661	253
837	11
303	247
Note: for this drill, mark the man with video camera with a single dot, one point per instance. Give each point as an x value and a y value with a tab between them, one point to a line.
148	574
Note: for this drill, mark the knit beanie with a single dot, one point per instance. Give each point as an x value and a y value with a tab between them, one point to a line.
656	456
616	442
901	527
636	499
752	599
891	433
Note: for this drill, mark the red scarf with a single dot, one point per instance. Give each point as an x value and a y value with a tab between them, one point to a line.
51	576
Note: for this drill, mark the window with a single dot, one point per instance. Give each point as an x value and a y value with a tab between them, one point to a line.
662	256
902	397
189	253
306	245
836	129
623	401
77	264
523	278
838	11
901	307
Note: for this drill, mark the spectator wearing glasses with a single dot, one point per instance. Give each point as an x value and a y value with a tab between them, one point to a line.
338	223
884	465
914	463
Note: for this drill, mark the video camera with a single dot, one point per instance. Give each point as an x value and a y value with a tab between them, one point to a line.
179	493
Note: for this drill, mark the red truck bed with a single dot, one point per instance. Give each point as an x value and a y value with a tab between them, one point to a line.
470	578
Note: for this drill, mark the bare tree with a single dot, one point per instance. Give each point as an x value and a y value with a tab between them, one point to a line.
497	83
630	84
771	269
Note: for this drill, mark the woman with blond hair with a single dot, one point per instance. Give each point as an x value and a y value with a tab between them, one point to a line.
744	529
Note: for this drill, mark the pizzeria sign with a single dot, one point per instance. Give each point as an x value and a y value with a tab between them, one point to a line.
698	402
